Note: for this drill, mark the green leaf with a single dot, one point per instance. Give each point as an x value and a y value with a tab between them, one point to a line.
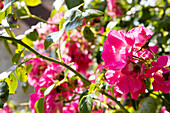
147	105
85	92
47	44
48	90
88	34
73	3
12	83
27	41
7	3
32	34
54	37
21	74
92	86
61	23
32	2
92	13
4	93
29	67
86	104
2	16
16	57
5	74
73	19
39	105
99	78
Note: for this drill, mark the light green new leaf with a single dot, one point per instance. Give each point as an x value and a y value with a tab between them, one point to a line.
12	83
32	2
39	105
21	74
2	16
92	86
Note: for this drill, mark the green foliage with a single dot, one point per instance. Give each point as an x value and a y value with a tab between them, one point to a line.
16	57
12	83
73	19
86	104
4	93
47	43
33	35
92	13
73	3
88	34
48	90
2	16
148	105
21	74
39	105
92	87
32	2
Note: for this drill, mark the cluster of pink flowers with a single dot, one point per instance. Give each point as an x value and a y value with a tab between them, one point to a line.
114	10
44	73
125	56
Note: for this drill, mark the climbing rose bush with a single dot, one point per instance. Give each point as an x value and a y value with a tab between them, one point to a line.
90	56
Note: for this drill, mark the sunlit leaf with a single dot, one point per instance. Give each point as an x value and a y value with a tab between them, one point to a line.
39	105
21	74
92	87
12	83
32	2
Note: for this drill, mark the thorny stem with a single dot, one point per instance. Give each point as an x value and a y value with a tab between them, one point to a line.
63	64
47	58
